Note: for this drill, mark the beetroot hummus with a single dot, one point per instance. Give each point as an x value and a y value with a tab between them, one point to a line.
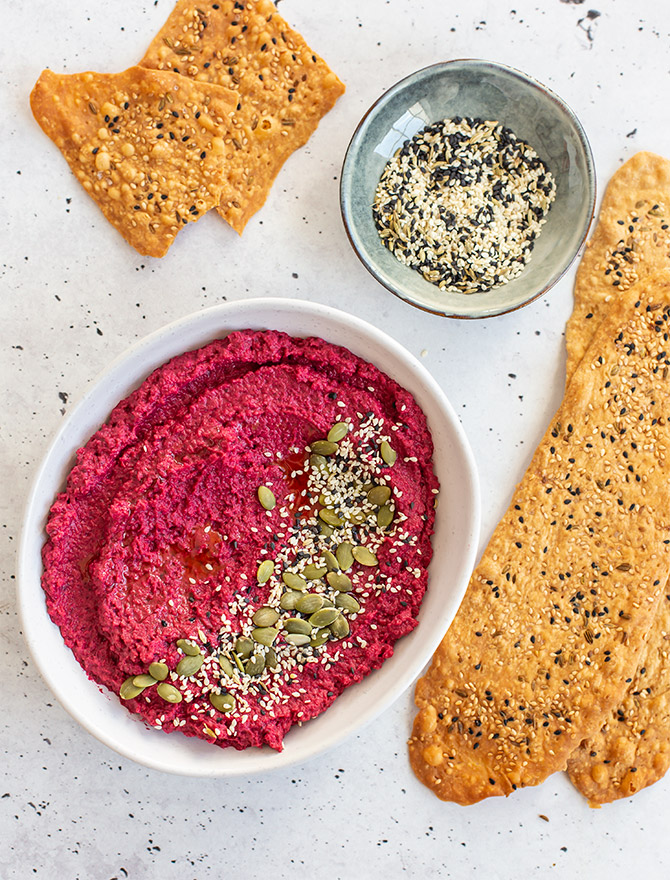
247	536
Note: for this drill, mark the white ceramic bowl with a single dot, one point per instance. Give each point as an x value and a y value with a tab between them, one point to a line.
455	543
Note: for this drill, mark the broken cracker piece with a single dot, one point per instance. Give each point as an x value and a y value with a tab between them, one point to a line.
556	613
631	241
282	88
147	146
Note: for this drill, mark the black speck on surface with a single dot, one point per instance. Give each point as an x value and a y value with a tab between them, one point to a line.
632	133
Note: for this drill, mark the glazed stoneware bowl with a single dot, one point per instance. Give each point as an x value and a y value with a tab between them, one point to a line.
455	543
494	92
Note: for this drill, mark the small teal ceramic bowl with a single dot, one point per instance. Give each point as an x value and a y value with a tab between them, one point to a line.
470	87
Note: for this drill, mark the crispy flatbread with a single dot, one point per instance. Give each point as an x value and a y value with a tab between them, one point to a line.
556	612
146	145
282	87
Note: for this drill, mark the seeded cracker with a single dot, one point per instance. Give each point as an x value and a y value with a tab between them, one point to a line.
282	88
631	241
147	146
557	611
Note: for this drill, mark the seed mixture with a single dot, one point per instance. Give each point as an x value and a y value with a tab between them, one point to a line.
463	202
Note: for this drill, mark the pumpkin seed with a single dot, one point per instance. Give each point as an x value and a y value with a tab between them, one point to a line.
264	635
340	627
289	600
339	581
364	556
265	616
222	702
328	603
325	529
384	517
347	603
294	581
226	665
338	432
320	638
144	680
271	659
265	571
318	462
168	692
324	617
188	666
357	518
298	625
331	560
129	689
309	603
344	555
314	572
379	495
159	671
255	665
244	647
387	453
330	517
266	498
297	639
188	647
323	447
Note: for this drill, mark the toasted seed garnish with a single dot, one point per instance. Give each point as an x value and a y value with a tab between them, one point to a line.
331	560
340	627
384	517
387	453
322	636
271	659
328	603
209	732
265	571
323	447
325	529
338	432
344	555
309	603
168	692
188	647
339	581
238	662
226	665
317	461
297	639
222	702
129	689
324	617
264	635
623	566
265	616
330	517
294	581
159	671
289	600
379	495
348	603
144	680
244	647
298	625
255	665
189	665
364	556
314	572
267	498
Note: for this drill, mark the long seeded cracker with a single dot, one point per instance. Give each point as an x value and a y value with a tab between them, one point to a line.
282	88
147	146
631	241
556	612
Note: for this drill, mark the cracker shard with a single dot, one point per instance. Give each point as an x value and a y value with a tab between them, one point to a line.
148	146
557	610
631	241
282	87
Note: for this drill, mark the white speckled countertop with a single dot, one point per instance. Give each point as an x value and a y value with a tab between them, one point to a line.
74	296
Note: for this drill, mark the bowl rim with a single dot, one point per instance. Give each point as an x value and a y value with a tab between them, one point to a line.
347	164
215	322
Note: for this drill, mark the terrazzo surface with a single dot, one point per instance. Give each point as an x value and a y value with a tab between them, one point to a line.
74	296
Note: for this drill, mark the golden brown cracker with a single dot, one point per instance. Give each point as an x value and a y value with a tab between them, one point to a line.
632	749
631	241
557	610
146	145
283	88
